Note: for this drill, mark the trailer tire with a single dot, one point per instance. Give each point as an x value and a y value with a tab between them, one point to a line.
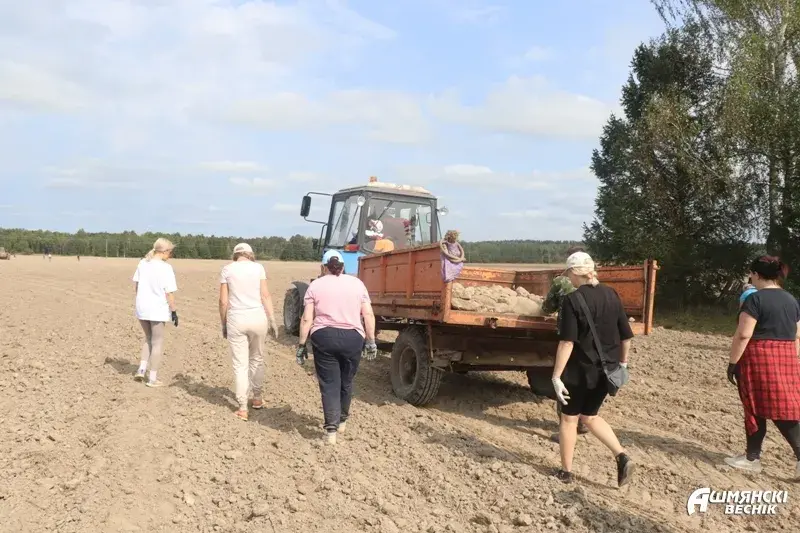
292	311
541	384
414	379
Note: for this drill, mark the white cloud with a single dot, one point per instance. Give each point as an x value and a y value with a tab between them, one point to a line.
31	87
97	174
232	166
479	176
478	14
387	116
255	185
525	214
161	61
528	106
303	177
537	54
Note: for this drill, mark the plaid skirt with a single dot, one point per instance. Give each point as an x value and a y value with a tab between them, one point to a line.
769	382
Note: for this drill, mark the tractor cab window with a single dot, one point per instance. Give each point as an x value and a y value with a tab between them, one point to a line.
404	223
344	222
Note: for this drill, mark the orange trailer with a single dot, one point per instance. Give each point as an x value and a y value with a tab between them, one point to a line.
409	296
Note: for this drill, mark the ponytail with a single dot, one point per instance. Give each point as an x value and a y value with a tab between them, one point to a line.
770	268
335	266
161	245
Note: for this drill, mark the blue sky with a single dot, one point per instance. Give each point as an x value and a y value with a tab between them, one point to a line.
216	116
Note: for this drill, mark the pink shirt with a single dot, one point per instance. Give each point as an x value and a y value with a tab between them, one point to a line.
337	302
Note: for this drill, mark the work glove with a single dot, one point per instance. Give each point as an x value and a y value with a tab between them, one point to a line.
273	327
732	368
175	318
370	351
562	394
224	331
301	355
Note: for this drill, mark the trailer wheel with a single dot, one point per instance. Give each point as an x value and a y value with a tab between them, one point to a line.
292	311
413	378
541	384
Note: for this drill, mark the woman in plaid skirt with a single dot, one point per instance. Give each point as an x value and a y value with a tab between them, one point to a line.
764	363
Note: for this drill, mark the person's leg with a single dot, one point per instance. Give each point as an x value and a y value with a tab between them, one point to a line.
790	429
157	350
567	436
602	430
144	358
751	460
352	344
240	354
756	440
257	334
329	377
568	430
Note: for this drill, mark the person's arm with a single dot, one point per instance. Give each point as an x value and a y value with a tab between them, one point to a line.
744	332
625	349
797	340
563	354
171	301
306	322
266	300
223	303
369	320
625	333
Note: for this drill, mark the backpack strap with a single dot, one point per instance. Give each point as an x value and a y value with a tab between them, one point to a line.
595	338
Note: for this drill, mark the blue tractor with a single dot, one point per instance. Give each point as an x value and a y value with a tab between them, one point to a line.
373	218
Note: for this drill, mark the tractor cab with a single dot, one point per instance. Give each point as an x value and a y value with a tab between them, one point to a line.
376	218
373	218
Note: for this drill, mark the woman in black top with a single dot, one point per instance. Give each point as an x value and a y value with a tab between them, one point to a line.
578	377
764	365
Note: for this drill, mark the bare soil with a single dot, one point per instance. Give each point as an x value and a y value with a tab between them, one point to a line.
84	448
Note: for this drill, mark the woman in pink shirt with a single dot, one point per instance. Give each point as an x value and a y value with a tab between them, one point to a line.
332	319
245	309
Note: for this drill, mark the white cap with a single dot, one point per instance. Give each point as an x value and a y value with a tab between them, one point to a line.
332	254
580	260
242	247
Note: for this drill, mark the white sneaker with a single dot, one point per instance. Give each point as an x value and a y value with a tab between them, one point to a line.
741	462
342	427
330	438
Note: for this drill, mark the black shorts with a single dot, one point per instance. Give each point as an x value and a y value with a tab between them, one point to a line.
583	401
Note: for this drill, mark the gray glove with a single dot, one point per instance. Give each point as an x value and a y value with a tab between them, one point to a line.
370	351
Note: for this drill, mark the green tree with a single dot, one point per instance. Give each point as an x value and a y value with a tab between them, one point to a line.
668	185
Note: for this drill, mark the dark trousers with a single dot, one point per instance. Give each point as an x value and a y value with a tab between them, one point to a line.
337	353
790	430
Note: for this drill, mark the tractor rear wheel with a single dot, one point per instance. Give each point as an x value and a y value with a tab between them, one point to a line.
414	379
541	384
292	311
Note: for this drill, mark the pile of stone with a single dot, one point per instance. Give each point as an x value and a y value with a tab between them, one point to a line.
497	300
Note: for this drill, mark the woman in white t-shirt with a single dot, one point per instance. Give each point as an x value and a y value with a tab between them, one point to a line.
245	310
155	305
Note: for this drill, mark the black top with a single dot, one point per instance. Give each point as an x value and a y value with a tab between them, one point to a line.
777	313
584	366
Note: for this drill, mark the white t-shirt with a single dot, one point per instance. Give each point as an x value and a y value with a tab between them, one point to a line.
156	278
244	285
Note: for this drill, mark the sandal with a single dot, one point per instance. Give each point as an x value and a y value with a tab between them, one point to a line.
155	383
241	414
257	404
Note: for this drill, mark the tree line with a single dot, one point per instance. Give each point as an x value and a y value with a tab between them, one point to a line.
296	248
703	164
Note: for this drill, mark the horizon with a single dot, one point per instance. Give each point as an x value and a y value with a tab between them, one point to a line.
204	117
